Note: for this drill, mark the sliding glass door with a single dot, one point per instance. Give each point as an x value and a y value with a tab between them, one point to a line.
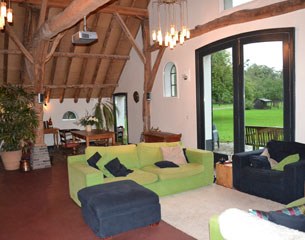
263	78
245	84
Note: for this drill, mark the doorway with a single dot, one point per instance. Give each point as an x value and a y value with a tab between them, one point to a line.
236	89
121	117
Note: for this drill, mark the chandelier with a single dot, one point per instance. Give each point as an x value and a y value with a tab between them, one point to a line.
5	13
170	22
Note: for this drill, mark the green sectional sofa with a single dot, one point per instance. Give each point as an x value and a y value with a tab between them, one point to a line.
141	158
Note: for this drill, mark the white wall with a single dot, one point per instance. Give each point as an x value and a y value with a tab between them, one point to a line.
179	114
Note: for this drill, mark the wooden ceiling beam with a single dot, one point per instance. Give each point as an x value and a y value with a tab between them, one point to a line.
248	15
130	37
15	38
122	36
54	46
63	86
43	12
82	86
130	11
91	55
73	55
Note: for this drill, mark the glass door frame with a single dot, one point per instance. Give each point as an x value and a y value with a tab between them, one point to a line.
126	130
286	35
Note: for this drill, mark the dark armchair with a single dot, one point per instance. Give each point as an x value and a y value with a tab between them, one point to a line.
280	186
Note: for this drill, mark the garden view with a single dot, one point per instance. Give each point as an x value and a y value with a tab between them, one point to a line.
260	82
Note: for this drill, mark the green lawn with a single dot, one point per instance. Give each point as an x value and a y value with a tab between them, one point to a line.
223	119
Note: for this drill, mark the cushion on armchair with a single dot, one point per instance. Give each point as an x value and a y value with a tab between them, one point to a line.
294	222
259	162
287	160
278	150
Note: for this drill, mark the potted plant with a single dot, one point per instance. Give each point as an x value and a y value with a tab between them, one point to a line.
18	121
88	121
103	111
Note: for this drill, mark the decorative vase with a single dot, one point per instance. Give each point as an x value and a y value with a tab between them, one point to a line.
88	128
11	160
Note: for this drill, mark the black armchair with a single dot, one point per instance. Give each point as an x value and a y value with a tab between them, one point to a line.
280	186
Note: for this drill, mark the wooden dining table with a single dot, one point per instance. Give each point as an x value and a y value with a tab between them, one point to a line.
94	135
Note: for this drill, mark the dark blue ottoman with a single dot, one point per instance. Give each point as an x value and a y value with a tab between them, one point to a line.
116	207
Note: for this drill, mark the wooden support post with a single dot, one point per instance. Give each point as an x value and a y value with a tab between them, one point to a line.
147	74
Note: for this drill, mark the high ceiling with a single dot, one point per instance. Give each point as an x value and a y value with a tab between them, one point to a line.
74	71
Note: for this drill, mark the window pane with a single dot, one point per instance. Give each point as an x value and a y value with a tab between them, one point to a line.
69	116
174	94
234	3
170	80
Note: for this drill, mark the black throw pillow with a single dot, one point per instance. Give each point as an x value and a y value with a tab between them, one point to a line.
294	222
259	162
278	150
184	152
94	159
166	164
117	169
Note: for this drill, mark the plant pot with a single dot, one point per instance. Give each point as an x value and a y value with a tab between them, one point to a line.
88	128
11	160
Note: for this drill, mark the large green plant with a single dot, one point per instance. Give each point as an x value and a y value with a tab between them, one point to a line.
18	119
103	111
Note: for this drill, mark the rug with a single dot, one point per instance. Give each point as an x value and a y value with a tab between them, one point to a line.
190	211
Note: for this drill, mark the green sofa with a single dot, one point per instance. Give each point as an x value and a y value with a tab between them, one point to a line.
141	158
214	229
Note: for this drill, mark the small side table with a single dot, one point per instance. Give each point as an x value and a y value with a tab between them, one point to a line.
224	175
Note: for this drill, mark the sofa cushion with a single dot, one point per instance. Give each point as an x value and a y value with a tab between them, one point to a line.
139	176
174	154
117	169
278	150
166	164
287	160
271	161
150	153
94	159
185	170
126	153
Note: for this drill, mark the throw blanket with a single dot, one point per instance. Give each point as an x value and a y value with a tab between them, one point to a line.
236	224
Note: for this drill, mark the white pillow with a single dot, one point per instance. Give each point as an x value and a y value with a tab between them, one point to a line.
173	154
271	161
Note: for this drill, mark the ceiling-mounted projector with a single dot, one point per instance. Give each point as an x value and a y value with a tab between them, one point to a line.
84	37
